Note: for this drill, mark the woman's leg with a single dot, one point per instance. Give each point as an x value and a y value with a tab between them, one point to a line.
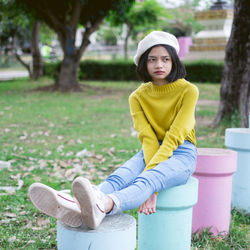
172	172
124	175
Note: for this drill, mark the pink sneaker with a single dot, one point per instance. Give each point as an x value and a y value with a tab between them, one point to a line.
91	202
57	204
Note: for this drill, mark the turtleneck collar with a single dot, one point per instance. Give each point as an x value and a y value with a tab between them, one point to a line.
158	89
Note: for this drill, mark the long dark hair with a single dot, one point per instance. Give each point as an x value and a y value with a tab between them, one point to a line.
178	69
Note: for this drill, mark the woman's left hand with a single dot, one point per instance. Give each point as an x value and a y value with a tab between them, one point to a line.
148	207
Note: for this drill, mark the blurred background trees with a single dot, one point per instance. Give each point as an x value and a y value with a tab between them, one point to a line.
64	18
26	26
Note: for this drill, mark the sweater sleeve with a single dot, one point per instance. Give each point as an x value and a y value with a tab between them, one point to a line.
146	134
182	125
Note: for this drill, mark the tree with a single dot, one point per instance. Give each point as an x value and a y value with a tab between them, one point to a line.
36	68
108	35
144	14
17	29
183	22
64	17
235	84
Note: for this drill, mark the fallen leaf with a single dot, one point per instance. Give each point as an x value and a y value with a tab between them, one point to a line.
71	142
31	241
10	215
8	108
42	163
63	164
79	141
111	151
83	152
133	132
24	136
47	133
20	184
42	222
60	148
12	239
24	212
4	164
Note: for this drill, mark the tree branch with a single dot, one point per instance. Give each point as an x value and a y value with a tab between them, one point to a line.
86	34
53	21
26	65
76	12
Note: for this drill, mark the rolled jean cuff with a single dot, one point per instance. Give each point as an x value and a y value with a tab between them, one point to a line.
117	206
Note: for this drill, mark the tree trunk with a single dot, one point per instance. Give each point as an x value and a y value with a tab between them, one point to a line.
37	63
68	74
129	30
235	84
68	77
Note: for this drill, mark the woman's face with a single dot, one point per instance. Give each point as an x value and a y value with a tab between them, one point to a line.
159	65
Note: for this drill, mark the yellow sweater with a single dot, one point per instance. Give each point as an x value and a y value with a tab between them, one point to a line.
163	113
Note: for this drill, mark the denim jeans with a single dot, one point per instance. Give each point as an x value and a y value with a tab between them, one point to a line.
129	186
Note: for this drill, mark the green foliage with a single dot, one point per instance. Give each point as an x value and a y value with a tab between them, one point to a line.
232	120
198	71
141	17
15	25
107	70
183	22
64	11
204	71
107	36
52	69
8	61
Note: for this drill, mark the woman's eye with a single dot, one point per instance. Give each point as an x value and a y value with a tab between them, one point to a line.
151	59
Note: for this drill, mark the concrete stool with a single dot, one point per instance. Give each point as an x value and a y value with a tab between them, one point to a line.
115	232
214	171
170	227
238	139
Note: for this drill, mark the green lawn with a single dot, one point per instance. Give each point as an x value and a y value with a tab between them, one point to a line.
41	133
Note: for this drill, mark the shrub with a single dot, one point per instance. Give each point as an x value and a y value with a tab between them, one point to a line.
107	70
52	69
204	71
118	70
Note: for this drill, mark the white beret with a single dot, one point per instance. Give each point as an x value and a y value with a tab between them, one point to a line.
154	38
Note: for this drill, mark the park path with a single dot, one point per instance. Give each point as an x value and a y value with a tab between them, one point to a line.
12	74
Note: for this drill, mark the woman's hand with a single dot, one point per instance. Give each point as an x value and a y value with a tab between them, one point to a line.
148	207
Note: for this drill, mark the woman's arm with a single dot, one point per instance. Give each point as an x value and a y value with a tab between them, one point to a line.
146	134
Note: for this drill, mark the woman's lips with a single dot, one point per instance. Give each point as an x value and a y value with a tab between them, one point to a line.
159	72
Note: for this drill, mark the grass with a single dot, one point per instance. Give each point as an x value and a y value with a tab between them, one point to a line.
41	133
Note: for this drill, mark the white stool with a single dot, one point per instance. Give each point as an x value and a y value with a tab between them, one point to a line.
115	232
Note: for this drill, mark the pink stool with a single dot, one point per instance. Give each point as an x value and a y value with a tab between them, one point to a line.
214	171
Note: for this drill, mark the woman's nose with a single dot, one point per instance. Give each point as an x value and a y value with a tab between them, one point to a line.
158	63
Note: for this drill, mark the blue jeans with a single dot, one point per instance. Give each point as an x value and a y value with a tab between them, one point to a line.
129	186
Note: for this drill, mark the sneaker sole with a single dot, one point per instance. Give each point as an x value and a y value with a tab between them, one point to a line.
48	201
82	190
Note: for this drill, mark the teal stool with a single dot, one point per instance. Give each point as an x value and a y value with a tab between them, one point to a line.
238	139
117	232
170	227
